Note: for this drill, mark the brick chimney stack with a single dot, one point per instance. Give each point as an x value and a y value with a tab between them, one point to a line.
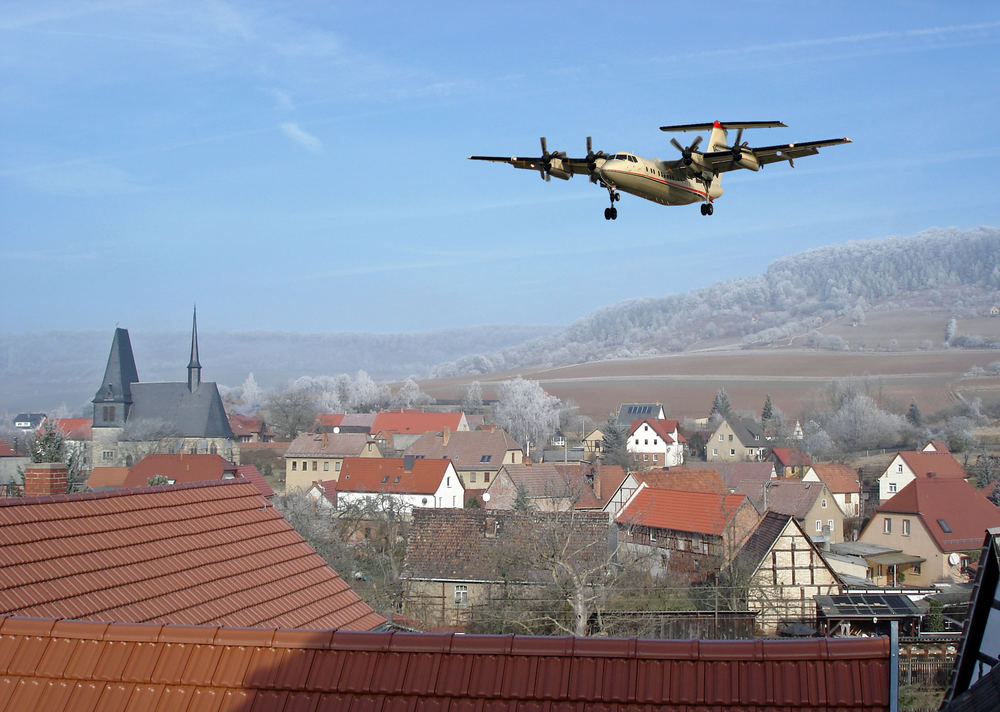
43	479
445	436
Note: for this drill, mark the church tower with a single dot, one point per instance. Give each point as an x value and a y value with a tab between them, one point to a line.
113	399
194	365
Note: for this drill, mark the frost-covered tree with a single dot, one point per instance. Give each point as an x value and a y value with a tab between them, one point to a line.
251	395
473	401
950	330
409	395
526	411
367	395
721	404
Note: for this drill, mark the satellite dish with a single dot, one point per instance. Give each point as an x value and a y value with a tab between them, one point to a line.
486	496
953	559
336	429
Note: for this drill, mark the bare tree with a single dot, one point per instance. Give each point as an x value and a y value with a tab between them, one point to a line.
526	411
291	411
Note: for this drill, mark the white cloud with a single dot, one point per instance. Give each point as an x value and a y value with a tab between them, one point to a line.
301	137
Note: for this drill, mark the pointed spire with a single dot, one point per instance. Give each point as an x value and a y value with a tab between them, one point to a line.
194	366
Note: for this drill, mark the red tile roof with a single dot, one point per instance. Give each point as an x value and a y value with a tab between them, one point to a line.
178	467
700	512
790	457
942	464
211	553
101	477
76	666
389	474
414	421
74	428
329	420
839	478
681	478
6	449
958	505
244	424
253	475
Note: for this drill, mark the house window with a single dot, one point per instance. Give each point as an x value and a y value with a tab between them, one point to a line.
732	451
829	523
847	498
730	437
916	569
315	465
326	466
887	526
819	525
646	441
906	527
295	465
824	503
721	437
645	457
655	458
655	441
472	477
899	468
637	441
892	487
305	465
461	594
107	455
337	466
715	451
486	477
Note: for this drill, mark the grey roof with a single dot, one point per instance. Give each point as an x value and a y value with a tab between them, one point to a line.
120	373
747	432
761	541
328	445
628	413
193	414
733	473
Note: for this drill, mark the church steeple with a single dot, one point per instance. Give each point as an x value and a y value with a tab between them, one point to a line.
114	397
194	366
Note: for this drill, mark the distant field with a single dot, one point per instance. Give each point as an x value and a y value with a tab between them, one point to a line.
686	383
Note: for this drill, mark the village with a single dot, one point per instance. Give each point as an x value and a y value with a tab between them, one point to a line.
437	520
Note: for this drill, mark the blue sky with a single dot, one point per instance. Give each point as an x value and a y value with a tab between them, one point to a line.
302	166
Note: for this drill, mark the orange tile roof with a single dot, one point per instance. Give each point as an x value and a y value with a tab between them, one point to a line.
107	477
6	449
388	474
253	475
414	421
839	478
74	666
211	553
680	478
789	456
942	464
700	512
74	428
178	467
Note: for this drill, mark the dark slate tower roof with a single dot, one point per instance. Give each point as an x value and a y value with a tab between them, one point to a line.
120	373
194	365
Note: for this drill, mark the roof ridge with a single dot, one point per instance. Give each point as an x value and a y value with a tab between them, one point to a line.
120	492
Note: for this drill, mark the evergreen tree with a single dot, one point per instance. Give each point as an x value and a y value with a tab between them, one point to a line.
913	415
49	446
768	411
721	404
613	446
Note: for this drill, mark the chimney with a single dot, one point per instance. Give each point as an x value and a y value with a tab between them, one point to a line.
445	436
43	479
596	474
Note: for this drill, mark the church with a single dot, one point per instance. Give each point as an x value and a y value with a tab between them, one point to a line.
134	419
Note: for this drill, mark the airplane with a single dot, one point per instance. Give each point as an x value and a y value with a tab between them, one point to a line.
693	178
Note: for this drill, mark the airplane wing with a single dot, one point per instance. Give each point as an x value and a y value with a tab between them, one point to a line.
553	164
752	157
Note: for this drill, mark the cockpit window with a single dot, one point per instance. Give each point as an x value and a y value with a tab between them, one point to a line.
633	159
621	156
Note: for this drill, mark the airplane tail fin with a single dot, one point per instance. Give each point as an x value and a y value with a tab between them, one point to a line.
718	139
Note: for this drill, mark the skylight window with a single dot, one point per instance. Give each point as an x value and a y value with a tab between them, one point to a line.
944	526
486	458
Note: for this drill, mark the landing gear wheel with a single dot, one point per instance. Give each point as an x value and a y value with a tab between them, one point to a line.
613	212
616	196
709	209
704	210
607	213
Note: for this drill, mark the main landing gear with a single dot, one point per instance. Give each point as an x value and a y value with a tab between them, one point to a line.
707	208
612	212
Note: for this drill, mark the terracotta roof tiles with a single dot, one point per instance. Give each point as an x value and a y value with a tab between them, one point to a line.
839	478
211	553
415	421
701	512
76	666
947	504
390	474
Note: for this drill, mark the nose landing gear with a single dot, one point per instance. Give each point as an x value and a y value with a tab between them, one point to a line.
612	212
707	208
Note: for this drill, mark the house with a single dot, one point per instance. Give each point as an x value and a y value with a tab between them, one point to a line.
844	483
628	413
676	478
11	464
736	440
320	456
132	419
782	571
344	423
655	443
546	487
688	536
459	561
477	454
789	462
401	428
975	681
410	481
907	466
48	664
593	443
29	422
211	553
247	429
935	446
811	503
939	523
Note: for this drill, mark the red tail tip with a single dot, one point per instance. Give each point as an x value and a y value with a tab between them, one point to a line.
717	125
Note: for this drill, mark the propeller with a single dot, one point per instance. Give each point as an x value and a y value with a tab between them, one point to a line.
686	152
592	160
737	147
547	159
